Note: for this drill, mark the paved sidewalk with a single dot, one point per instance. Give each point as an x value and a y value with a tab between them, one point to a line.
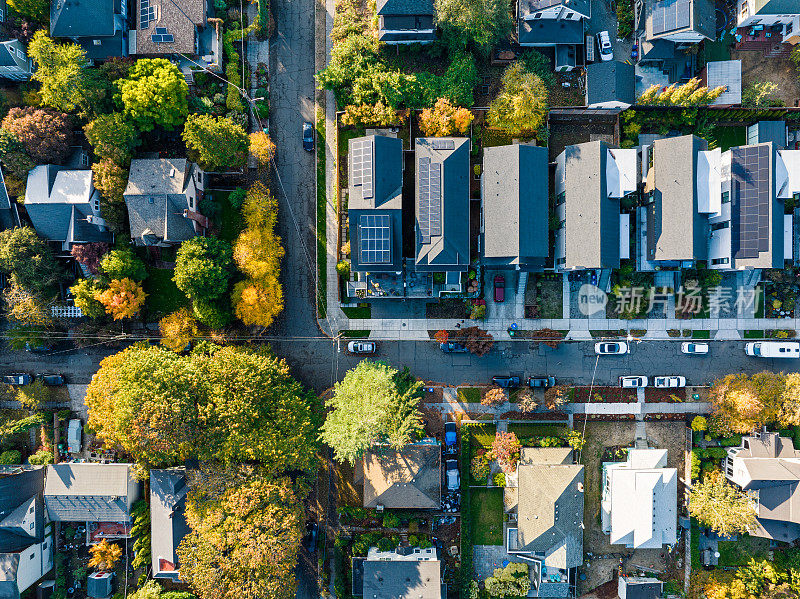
597	409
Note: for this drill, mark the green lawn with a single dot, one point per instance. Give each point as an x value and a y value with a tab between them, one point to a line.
739	552
753	334
360	312
482	434
355	334
536	430
486	512
469	394
228	218
163	297
728	137
701	334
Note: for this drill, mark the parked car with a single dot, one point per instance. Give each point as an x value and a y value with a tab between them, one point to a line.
310	540
604	44
450	436
499	289
541	382
773	349
52	380
506	382
452	348
74	436
18	378
669	382
361	347
453	478
632	382
695	349
611	348
37	347
308	136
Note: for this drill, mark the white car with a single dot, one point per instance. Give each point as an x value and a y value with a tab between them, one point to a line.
361	347
611	348
453	478
604	44
694	349
632	382
669	382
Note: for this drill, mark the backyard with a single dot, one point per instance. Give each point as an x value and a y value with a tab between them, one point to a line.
486	512
163	296
740	551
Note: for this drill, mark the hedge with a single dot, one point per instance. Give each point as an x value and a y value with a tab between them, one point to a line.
466	524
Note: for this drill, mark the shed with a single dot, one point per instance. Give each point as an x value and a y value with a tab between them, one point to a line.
727	74
98	586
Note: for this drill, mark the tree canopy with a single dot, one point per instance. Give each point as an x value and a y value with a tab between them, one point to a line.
113	137
61	69
122	263
229	404
521	105
444	119
721	506
743	403
202	267
373	403
215	143
45	134
480	22
154	93
686	94
123	298
28	259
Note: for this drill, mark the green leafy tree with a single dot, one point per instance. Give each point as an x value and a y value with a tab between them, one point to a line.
231	404
110	179
123	264
85	296
521	105
36	10
202	267
10	456
154	93
45	134
367	407
480	22
34	396
216	143
61	69
353	58
721	506
699	424
511	581
140	531
210	313
29	260
112	137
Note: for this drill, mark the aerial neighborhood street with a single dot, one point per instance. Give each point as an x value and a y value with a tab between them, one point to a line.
404	299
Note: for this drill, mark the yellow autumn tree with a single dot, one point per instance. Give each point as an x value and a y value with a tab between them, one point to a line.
26	309
104	555
259	298
123	298
742	403
262	148
445	119
687	94
178	329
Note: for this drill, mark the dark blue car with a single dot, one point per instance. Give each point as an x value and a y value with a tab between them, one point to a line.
451	347
450	434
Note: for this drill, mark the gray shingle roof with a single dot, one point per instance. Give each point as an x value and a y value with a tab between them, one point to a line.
167	519
610	81
17	493
76	492
550	31
410	478
527	7
81	18
515	205
675	228
9	54
9	564
405	7
448	251
402	579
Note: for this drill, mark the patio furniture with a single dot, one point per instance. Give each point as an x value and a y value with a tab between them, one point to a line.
768	34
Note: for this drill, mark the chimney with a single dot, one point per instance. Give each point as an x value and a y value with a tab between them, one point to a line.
196	217
97	221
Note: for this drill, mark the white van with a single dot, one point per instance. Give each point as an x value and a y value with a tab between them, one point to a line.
773	349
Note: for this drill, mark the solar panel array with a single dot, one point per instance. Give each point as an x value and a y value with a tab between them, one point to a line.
162	36
443	144
375	240
361	167
669	15
430	199
750	200
147	13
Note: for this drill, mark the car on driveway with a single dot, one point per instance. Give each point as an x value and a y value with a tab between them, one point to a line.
669	382
694	349
18	378
361	347
506	382
453	478
452	348
450	436
611	348
52	380
308	136
541	382
499	289
604	44
632	382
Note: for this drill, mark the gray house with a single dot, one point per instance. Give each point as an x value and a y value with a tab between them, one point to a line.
516	233
98	26
765	131
163	198
403	579
441	193
14	62
375	205
9	216
610	84
552	22
168	525
64	206
406	21
409	478
664	26
26	543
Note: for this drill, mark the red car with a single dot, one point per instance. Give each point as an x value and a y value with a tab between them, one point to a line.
499	289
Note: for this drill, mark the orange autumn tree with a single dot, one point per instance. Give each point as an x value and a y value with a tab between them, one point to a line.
742	403
123	298
178	329
104	555
445	119
441	336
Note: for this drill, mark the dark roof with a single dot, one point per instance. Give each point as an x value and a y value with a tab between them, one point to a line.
675	228
167	519
528	7
405	36
515	206
9	564
657	49
401	579
610	81
109	47
409	478
77	492
766	131
667	17
442	222
81	18
9	217
9	56
405	7
776	7
639	588
18	492
550	31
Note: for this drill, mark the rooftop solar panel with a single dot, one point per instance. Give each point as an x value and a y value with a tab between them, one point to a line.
375	240
361	159
671	15
750	200
430	199
443	144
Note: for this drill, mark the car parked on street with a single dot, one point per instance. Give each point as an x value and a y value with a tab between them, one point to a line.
18	378
632	382
452	348
611	348
541	382
669	382
52	380
310	540
499	289
604	45
506	382
453	478
308	137
361	347
694	349
450	437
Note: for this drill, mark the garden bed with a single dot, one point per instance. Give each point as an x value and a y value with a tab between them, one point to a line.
653	395
556	416
447	308
544	296
602	395
665	416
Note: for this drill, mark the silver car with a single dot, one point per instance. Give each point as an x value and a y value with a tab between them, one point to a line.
694	349
361	347
632	382
611	348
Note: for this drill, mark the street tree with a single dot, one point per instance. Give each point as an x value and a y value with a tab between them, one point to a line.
45	134
494	397
123	298
744	402
203	267
521	106
262	148
29	260
154	93
368	408
215	143
178	329
721	506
